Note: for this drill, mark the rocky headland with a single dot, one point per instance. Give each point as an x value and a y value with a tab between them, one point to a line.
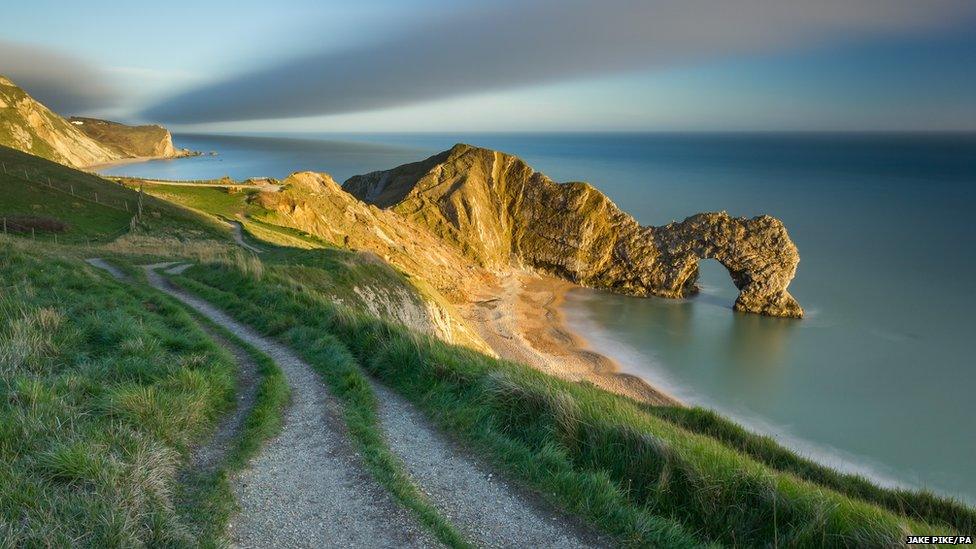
29	126
500	213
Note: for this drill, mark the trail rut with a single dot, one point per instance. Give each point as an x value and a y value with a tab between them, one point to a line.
308	487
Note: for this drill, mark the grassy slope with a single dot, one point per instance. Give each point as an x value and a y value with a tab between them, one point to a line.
103	389
229	204
25	191
646	475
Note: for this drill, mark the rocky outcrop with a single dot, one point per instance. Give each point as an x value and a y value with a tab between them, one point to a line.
757	252
498	212
29	126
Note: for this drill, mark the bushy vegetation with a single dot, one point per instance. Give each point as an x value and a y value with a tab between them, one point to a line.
103	390
648	478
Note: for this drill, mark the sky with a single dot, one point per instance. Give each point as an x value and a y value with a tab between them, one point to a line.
527	65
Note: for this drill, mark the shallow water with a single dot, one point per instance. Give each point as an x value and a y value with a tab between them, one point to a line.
879	377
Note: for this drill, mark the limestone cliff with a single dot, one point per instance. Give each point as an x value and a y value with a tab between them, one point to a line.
129	141
29	126
497	211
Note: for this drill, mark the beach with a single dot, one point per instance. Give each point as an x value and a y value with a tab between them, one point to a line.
522	321
181	153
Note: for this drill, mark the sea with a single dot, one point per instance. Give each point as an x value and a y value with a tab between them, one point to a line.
878	379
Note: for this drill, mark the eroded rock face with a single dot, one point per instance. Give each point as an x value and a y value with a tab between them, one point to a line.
498	212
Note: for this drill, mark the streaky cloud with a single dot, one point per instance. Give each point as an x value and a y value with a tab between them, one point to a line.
517	44
62	82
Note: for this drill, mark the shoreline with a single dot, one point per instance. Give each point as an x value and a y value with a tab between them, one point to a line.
137	160
522	320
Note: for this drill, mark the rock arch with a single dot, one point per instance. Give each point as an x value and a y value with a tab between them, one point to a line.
758	254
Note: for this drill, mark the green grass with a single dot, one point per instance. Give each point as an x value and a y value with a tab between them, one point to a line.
24	187
642	476
104	389
207	499
229	204
215	200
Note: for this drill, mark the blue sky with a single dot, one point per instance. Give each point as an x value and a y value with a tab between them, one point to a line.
429	65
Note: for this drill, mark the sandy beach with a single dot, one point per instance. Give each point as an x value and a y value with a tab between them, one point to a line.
522	321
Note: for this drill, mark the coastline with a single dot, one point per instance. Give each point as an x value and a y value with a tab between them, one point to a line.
138	159
522	320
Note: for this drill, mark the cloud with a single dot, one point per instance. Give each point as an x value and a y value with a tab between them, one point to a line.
61	82
518	44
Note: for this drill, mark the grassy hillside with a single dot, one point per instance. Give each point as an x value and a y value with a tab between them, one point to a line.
89	209
650	476
103	388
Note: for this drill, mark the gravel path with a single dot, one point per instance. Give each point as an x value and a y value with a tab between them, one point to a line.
486	509
308	487
100	263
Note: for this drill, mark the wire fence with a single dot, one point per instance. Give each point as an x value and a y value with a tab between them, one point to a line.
35	177
18	226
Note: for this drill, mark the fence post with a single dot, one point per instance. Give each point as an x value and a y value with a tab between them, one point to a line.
4	164
33	236
5	224
96	197
72	190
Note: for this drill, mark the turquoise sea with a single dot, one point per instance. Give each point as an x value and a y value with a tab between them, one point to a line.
880	378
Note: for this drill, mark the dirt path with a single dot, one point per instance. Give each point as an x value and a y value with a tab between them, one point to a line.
210	455
238	231
486	509
308	487
266	186
100	263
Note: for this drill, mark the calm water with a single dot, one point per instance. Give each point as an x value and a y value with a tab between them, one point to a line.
879	378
